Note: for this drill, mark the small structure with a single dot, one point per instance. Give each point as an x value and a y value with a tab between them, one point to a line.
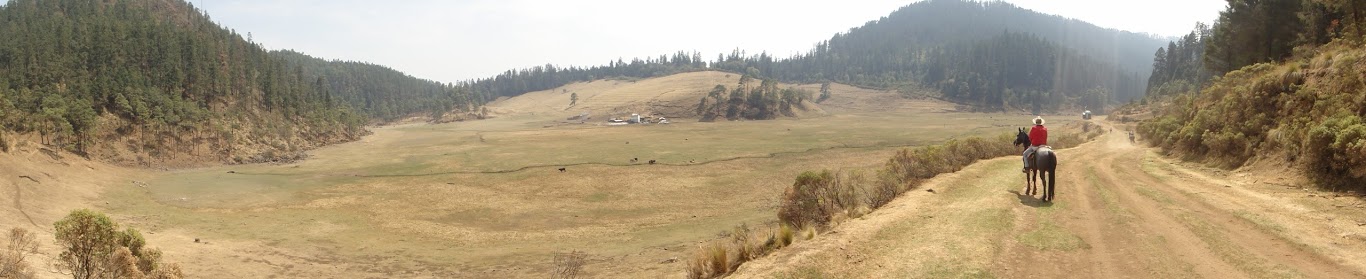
662	120
635	118
1086	115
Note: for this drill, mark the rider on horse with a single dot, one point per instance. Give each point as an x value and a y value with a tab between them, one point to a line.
1038	136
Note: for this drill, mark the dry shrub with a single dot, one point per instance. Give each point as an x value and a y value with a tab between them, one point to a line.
14	260
167	271
807	202
884	190
122	264
741	242
568	265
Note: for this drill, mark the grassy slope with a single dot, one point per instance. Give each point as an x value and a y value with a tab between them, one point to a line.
1305	113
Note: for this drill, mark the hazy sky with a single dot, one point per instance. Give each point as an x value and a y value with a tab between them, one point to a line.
457	40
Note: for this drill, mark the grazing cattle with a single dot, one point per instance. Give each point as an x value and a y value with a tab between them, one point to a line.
652	162
561	169
633	160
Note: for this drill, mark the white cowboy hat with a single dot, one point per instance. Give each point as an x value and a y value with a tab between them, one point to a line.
1038	120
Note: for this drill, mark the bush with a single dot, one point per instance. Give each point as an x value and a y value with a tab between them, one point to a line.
14	260
884	190
807	201
1336	152
92	247
740	239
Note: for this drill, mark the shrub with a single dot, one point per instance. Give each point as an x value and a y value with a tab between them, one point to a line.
14	260
91	247
884	190
740	239
1336	152
805	202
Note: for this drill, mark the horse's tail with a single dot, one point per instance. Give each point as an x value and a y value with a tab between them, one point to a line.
1052	160
1052	183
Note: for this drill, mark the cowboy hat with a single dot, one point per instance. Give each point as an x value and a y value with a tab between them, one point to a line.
1038	120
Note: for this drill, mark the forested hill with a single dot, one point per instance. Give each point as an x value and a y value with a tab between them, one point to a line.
986	53
380	92
146	82
990	54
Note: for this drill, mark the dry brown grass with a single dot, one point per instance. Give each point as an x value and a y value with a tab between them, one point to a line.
742	244
568	265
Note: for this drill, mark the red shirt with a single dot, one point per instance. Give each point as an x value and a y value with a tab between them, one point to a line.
1038	135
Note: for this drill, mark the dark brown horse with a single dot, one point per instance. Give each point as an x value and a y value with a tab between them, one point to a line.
1042	161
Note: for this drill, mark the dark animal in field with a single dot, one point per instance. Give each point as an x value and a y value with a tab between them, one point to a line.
633	160
561	169
652	162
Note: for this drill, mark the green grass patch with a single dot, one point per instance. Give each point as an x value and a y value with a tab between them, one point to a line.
806	273
1052	237
1108	198
1234	254
599	197
1154	195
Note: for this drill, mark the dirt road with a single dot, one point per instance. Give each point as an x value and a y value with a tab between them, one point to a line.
1121	211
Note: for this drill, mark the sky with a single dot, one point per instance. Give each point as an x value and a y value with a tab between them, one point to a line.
457	40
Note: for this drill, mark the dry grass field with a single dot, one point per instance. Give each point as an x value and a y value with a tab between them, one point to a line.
486	199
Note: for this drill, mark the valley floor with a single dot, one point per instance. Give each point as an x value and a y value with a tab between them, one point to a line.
1122	211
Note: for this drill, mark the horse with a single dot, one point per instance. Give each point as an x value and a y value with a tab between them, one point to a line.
1043	160
561	169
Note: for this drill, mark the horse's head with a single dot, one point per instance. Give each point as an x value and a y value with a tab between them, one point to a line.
1022	138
